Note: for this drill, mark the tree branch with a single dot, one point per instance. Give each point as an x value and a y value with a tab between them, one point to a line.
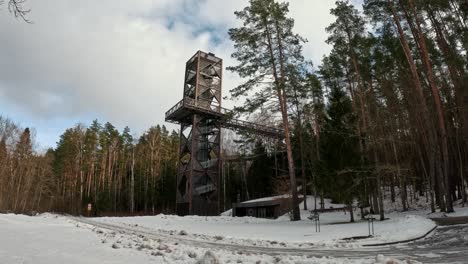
16	7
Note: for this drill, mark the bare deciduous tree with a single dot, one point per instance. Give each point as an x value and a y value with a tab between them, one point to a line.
17	8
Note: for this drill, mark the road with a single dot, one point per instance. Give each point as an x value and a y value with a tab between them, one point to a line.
447	244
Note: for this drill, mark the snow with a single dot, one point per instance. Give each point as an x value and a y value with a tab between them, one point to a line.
460	211
282	232
429	255
53	239
381	259
267	199
263	231
310	201
327	203
227	213
209	258
50	238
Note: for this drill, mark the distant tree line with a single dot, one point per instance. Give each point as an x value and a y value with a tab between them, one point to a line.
95	164
26	179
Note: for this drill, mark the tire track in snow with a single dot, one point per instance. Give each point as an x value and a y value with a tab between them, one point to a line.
432	249
272	251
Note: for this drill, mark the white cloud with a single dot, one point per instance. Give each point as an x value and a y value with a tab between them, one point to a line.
311	19
119	59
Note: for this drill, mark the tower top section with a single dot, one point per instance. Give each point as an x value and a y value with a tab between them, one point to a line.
206	56
202	89
202	95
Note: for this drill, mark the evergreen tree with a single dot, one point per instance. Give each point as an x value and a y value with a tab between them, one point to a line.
24	149
339	150
298	91
264	46
259	178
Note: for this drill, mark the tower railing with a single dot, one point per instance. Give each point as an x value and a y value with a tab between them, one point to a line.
225	116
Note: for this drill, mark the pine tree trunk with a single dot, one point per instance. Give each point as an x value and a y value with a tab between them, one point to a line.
301	146
423	117
403	194
465	127
284	112
351	213
375	200
322	200
304	179
244	179
132	183
392	189
462	192
419	36
379	188
279	83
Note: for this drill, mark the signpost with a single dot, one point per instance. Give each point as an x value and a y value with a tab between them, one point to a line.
370	224
314	215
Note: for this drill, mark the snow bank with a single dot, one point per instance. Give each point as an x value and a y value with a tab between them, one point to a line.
282	232
52	239
209	258
381	259
401	228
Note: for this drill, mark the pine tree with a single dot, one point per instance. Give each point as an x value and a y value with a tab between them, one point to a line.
259	178
128	166
431	90
347	34
22	160
91	166
339	155
298	91
315	111
264	46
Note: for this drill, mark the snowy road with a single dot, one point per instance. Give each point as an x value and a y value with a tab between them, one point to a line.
445	245
448	244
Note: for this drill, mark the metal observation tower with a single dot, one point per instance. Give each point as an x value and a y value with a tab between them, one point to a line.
201	118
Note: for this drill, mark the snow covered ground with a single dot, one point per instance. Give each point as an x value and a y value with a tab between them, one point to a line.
49	238
52	239
282	232
460	211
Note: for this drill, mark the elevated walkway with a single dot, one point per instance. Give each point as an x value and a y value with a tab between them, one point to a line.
183	111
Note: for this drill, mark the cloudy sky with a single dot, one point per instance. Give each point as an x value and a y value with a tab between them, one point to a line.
119	61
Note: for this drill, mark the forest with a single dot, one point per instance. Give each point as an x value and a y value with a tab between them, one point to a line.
95	164
383	116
